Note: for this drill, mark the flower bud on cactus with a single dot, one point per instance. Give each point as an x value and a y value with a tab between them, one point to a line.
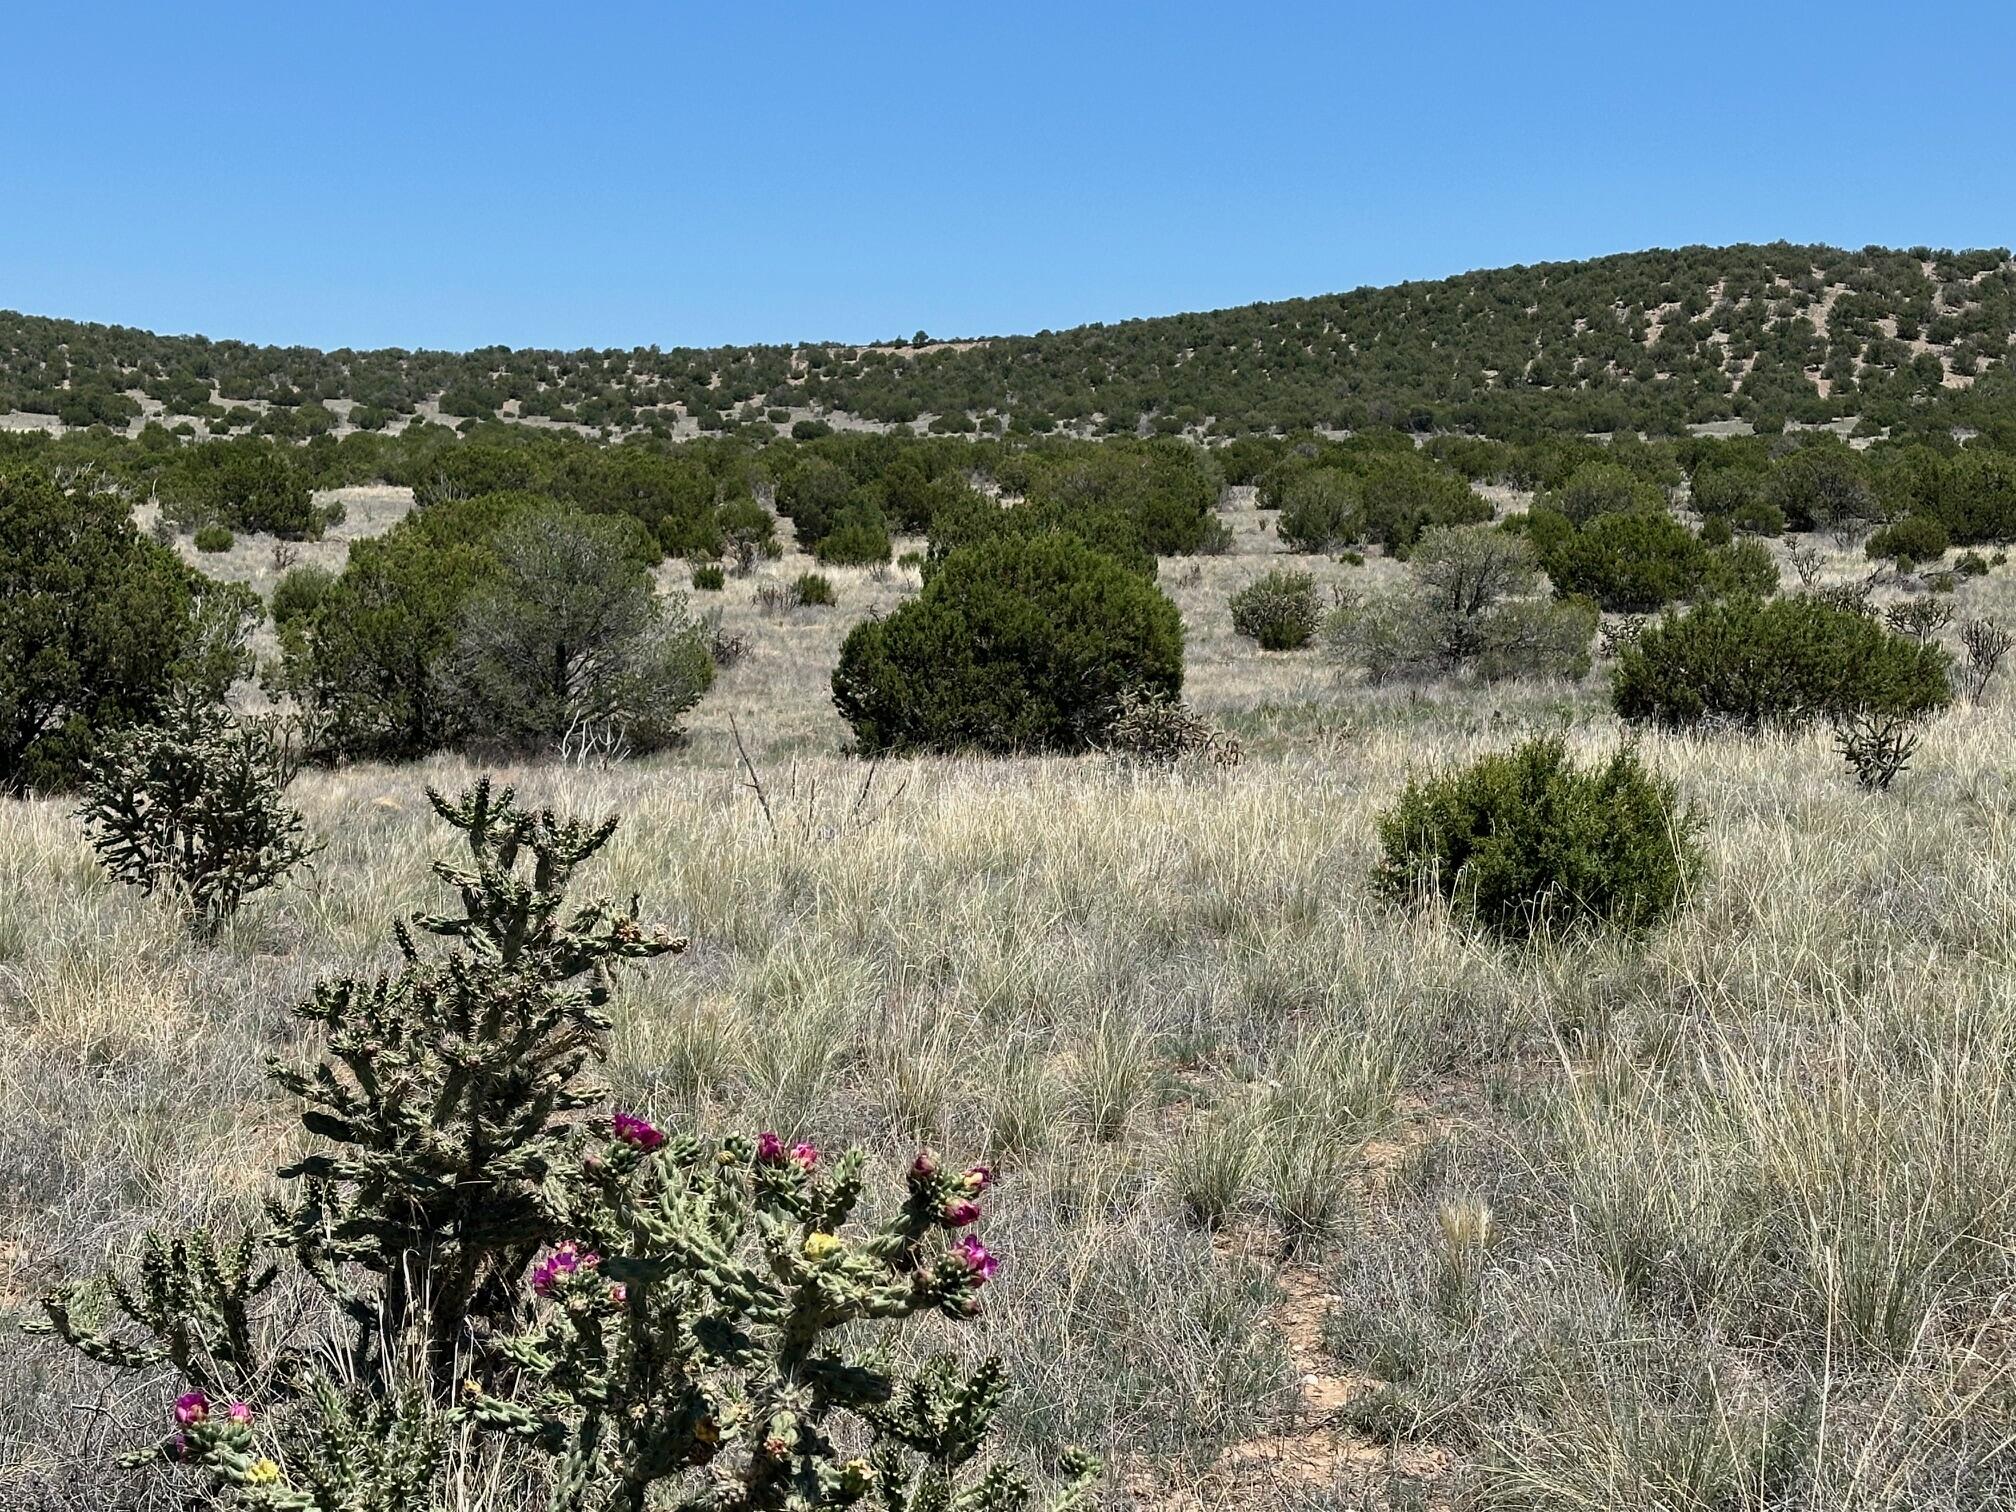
640	1133
977	1259
557	1267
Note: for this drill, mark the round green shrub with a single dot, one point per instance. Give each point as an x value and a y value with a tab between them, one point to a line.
1917	538
859	538
1628	563
1279	610
300	593
1016	643
709	578
1525	843
214	538
1784	662
813	588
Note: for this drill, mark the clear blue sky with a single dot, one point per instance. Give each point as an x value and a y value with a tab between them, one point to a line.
616	174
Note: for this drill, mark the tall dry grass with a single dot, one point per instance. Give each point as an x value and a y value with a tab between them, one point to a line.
1747	1180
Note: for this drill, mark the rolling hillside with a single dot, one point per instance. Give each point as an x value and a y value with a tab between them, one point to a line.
1653	340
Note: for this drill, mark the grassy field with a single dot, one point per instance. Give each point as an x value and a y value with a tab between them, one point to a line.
1307	1202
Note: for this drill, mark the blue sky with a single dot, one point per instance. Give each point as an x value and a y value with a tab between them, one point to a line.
614	174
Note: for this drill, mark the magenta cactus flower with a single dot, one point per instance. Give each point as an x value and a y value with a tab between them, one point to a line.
959	1211
978	1258
925	1166
638	1132
239	1413
769	1148
978	1178
565	1260
804	1155
191	1408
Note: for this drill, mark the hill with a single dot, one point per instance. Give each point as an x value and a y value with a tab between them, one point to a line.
1653	341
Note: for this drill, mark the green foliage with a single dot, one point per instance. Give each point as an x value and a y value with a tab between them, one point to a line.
1604	488
1916	538
1739	567
1019	643
1405	493
747	531
1526	843
299	594
213	538
1735	494
1782	662
246	484
1646	341
366	665
1822	486
1280	610
1320	510
811	590
712	1315
565	647
709	578
1166	490
502	619
859	537
98	624
1976	497
1629	563
194	806
974	520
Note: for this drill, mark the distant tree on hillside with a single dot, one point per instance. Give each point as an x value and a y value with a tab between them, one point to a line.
97	624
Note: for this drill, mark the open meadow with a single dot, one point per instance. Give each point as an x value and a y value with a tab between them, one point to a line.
1305	1200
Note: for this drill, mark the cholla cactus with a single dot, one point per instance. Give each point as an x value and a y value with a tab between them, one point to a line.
693	1332
194	805
1161	731
448	1090
622	1310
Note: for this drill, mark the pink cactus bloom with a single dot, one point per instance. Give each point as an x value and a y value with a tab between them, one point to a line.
959	1211
618	1294
565	1260
925	1166
978	1178
804	1155
769	1148
979	1260
239	1413
638	1132
191	1408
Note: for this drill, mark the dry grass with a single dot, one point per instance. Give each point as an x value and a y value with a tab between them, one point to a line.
1749	1180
